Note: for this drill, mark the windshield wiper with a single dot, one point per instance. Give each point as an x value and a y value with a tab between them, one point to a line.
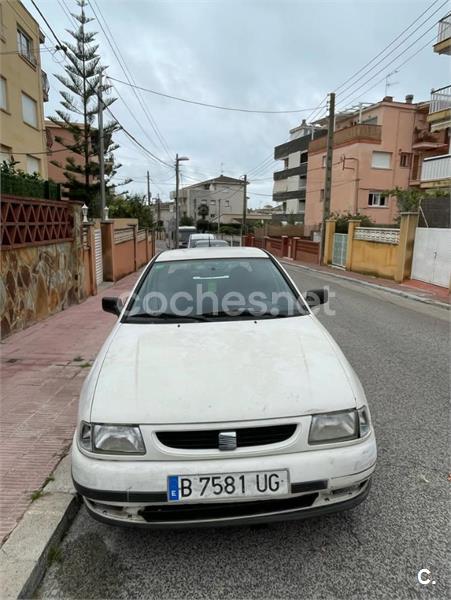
168	316
244	313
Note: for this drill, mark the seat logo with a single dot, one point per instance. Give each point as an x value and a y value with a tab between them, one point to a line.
227	440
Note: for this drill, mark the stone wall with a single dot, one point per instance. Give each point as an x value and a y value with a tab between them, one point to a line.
37	281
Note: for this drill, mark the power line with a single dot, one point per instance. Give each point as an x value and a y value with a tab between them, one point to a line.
388	64
129	77
426	45
391	43
206	104
317	114
63	49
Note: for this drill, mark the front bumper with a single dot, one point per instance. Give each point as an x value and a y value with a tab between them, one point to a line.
134	492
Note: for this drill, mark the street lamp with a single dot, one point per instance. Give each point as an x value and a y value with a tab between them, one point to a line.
178	159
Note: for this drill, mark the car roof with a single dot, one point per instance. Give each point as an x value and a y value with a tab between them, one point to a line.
211	252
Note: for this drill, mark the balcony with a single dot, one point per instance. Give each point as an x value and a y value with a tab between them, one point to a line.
443	43
349	135
301	170
440	109
436	171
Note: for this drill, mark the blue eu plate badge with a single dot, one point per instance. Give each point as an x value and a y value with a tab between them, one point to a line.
173	487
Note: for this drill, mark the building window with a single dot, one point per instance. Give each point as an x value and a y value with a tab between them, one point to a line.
33	164
212	215
381	160
302	182
5	153
404	159
304	157
324	160
206	186
321	195
227	203
25	46
29	110
3	94
285	163
377	199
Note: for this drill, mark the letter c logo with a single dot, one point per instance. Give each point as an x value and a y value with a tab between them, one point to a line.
421	579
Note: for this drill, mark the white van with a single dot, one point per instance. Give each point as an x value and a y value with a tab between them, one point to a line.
195	237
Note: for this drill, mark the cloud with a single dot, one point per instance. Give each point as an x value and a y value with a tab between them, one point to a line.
263	54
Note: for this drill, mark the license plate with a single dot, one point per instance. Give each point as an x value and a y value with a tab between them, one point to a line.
188	488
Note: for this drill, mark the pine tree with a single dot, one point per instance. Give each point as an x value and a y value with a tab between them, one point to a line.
83	80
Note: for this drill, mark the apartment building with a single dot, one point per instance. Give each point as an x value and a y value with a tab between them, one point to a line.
374	150
223	195
23	89
290	183
436	158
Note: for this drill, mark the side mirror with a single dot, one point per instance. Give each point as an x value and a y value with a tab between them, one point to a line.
112	305
316	297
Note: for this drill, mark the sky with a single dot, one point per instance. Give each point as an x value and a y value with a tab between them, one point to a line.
252	54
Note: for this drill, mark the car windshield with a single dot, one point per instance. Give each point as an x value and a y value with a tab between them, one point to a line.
212	289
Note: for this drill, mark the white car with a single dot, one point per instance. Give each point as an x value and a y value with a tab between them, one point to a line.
219	398
196	237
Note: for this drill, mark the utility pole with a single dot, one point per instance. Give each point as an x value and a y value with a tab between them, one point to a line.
177	183
328	176
158	209
149	196
219	214
101	149
176	232
243	227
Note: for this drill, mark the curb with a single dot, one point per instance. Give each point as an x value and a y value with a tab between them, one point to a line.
371	285
26	554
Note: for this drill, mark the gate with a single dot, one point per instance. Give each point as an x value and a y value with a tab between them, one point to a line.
98	255
339	251
432	256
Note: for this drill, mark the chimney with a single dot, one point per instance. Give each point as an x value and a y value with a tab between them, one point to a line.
387	99
409	98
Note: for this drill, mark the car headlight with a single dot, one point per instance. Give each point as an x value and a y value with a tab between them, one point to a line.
339	427
111	439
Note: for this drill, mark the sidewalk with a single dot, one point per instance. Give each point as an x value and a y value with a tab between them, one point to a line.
412	288
43	368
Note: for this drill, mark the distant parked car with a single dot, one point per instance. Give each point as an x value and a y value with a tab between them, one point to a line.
210	243
195	237
219	398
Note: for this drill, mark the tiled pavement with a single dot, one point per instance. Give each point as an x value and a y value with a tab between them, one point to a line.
43	368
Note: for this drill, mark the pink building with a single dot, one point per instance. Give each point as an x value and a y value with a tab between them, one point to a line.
373	151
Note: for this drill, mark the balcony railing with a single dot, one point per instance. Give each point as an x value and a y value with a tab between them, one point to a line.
440	99
444	29
436	168
349	135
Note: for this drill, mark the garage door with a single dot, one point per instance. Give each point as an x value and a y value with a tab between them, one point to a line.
432	256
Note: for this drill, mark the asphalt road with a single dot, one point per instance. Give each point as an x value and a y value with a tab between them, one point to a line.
400	350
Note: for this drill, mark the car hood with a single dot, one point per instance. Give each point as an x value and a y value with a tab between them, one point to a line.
220	371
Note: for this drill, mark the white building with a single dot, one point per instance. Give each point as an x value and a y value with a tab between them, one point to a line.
291	181
223	196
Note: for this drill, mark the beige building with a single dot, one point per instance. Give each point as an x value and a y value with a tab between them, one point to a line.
436	164
375	149
23	89
223	195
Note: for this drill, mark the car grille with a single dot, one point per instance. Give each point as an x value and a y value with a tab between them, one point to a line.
207	439
169	513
